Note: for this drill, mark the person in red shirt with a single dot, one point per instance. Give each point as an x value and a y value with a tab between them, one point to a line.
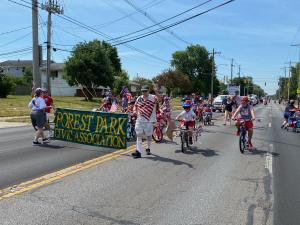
49	105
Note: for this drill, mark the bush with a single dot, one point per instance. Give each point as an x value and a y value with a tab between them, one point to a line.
7	85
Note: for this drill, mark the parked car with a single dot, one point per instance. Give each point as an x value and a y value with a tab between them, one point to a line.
218	102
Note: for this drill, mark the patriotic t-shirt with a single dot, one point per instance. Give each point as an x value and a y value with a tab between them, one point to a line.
146	108
49	102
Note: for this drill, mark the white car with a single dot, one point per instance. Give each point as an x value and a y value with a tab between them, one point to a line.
217	103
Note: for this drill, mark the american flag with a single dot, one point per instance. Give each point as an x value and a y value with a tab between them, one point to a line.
145	108
114	107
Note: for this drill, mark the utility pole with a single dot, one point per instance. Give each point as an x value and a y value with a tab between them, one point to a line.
50	7
35	45
213	75
231	71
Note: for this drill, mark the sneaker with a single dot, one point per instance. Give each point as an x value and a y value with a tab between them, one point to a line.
224	124
282	126
250	147
36	143
148	151
136	155
238	133
45	140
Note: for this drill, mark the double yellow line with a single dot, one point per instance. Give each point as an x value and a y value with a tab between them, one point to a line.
49	178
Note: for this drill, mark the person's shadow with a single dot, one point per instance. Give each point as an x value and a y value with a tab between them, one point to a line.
256	151
194	150
155	157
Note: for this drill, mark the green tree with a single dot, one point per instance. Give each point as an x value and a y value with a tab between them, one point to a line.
143	81
196	62
28	76
121	80
294	81
172	80
92	64
7	85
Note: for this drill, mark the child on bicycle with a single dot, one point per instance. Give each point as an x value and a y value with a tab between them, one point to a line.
246	112
188	118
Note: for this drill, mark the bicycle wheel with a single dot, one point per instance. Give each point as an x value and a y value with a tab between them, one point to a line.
182	142
186	138
242	143
157	134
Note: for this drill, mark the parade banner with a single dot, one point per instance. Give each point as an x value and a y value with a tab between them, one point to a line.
91	128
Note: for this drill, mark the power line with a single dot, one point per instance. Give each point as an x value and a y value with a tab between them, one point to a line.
142	24
19	4
154	21
16	30
137	37
16	40
147	6
78	23
16	51
163	21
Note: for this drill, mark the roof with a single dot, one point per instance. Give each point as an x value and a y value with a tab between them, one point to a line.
54	67
17	63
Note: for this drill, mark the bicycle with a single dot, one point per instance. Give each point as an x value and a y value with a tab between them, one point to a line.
184	134
131	134
159	126
243	141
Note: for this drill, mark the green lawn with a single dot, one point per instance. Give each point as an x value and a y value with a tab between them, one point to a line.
14	106
17	105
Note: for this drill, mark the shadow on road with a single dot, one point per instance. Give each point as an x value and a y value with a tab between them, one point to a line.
50	146
205	152
168	160
263	152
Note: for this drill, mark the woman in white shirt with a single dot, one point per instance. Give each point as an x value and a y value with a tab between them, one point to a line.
38	116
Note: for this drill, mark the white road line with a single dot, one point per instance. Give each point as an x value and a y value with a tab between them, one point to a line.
270	124
269	159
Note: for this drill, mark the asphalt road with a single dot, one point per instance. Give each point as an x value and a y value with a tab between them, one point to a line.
21	161
210	184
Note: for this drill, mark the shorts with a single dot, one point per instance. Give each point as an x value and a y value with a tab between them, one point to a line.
248	124
38	118
286	115
144	129
188	124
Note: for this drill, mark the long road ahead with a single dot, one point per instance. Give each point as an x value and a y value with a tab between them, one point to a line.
211	184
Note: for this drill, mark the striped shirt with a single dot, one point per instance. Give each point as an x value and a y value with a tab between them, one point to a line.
146	108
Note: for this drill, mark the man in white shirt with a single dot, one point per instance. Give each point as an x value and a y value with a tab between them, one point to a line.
38	116
145	109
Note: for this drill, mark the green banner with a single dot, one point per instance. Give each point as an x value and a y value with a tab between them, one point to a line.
91	128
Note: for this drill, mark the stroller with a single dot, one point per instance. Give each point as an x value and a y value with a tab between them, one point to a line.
294	120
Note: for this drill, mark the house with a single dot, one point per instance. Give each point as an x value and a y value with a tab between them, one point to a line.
60	87
15	67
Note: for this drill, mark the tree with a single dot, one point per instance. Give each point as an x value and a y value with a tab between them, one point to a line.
197	64
141	81
28	75
173	79
294	81
247	86
121	80
6	85
92	64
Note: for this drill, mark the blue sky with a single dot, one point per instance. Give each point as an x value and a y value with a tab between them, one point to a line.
256	33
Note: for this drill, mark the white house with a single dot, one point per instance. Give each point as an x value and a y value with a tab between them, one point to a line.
15	67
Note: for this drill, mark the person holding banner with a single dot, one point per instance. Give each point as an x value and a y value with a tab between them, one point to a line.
145	109
38	116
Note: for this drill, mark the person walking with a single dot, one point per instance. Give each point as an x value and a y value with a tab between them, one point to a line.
49	105
38	116
145	108
228	104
